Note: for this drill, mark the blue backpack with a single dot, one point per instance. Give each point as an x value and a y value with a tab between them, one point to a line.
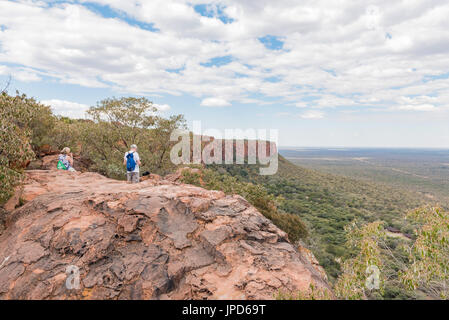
130	163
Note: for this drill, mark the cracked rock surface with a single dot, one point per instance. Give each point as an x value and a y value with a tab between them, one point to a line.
158	239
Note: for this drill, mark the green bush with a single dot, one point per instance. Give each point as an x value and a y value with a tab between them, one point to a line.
19	115
116	125
255	194
102	140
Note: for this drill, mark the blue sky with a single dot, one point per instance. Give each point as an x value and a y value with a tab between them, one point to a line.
322	74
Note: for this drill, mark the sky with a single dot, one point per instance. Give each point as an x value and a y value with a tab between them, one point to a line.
323	73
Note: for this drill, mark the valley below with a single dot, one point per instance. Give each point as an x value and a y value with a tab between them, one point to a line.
423	170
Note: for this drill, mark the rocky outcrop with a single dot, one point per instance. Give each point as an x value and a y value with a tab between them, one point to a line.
153	240
49	162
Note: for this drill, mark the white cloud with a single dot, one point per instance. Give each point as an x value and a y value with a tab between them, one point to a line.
301	104
283	114
22	74
215	102
67	108
162	107
343	53
418	107
77	110
312	114
26	76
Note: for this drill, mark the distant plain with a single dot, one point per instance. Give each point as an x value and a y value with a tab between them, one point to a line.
422	170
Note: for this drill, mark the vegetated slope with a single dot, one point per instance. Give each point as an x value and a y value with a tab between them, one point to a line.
327	202
158	239
424	171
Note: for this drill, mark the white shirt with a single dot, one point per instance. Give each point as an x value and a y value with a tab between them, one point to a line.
136	159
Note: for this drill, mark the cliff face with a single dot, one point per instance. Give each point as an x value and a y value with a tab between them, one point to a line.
158	239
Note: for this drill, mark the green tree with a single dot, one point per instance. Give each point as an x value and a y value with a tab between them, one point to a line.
367	262
66	132
117	124
428	268
423	270
41	124
17	115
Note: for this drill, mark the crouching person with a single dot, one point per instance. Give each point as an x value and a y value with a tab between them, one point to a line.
132	163
65	160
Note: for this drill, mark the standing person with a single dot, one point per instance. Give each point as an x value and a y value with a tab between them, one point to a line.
65	160
132	163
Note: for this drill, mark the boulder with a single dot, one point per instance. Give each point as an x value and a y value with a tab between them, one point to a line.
49	162
83	236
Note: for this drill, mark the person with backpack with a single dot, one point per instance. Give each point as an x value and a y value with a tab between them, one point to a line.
132	163
65	160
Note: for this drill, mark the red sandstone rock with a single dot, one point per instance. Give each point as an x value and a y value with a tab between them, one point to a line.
152	240
50	162
152	176
46	150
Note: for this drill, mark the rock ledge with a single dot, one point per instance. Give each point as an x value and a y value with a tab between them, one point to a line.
154	240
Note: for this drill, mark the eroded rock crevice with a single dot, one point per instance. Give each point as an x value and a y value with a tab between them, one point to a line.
155	240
